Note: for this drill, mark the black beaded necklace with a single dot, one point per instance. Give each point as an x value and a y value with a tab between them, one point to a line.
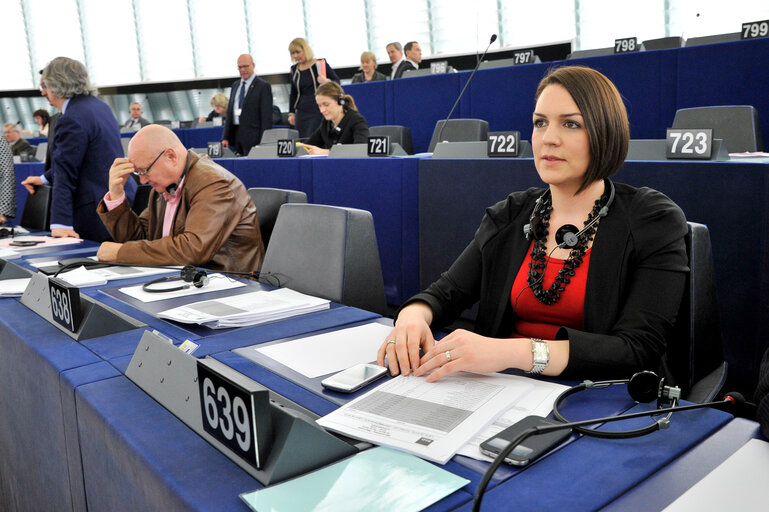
539	256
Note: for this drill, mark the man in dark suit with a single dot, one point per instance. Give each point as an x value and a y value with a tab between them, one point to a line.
136	121
413	55
399	63
86	141
19	145
249	111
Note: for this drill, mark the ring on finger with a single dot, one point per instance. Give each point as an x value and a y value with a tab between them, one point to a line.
448	355
391	341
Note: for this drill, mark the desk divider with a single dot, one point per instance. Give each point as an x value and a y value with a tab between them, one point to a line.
97	319
10	270
170	376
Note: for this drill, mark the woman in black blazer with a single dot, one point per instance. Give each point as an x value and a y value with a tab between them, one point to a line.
595	301
342	124
307	74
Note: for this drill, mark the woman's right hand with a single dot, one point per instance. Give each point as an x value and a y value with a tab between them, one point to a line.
291	119
411	332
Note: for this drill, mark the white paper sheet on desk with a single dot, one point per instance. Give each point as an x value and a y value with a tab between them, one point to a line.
539	402
8	254
80	276
430	420
246	309
45	241
104	273
330	352
13	287
216	282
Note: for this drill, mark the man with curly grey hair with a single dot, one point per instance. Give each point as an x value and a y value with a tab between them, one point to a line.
86	141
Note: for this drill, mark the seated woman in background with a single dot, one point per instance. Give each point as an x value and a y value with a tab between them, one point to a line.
306	75
368	71
604	298
219	102
343	123
42	118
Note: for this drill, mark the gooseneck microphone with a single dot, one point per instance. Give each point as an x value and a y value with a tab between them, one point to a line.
730	400
477	65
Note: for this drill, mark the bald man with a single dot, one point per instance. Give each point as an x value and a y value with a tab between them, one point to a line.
249	112
198	212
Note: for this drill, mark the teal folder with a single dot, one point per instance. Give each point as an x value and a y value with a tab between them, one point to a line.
379	479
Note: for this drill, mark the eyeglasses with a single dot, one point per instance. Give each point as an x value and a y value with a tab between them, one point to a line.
145	171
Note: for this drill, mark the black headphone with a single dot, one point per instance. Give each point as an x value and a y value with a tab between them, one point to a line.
643	387
341	100
171	189
189	274
568	234
6	232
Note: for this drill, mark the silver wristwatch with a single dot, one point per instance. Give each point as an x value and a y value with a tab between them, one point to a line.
541	354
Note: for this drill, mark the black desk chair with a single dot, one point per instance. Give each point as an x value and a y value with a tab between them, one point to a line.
329	252
737	125
37	209
697	360
268	202
399	134
459	130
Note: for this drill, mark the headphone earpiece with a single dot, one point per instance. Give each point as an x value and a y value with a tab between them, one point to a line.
567	236
189	274
193	275
342	101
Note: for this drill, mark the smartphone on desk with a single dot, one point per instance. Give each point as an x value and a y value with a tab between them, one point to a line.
530	448
354	377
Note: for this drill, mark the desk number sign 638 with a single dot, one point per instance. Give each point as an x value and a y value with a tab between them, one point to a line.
65	303
228	414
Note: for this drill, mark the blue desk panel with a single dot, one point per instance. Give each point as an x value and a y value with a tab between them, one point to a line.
34	436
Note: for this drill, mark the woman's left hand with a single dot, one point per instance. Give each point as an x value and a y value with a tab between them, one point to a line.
322	79
464	350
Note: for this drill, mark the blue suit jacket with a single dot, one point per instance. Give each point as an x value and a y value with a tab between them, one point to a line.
85	143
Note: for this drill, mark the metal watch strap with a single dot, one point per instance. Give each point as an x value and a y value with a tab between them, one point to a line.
541	353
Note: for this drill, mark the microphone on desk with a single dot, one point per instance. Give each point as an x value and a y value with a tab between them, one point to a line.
477	65
732	400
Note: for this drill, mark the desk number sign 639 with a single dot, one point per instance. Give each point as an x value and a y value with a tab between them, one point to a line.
228	414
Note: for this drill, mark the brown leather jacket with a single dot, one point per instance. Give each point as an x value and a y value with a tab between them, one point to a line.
215	225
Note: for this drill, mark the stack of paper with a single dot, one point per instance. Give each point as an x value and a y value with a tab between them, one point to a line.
431	420
13	287
246	309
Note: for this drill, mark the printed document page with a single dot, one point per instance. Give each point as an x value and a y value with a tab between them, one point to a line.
430	420
539	401
246	309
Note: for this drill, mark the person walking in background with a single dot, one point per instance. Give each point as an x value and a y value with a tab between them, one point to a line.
306	75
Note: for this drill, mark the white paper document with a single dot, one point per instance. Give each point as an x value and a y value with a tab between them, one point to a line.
216	282
330	352
8	254
430	420
43	241
13	287
538	401
246	309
